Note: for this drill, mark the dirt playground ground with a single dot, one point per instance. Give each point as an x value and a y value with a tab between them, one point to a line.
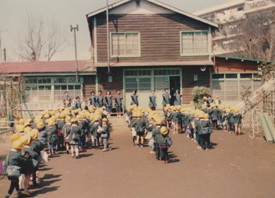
236	167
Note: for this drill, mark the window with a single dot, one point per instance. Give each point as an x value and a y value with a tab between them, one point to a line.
125	44
230	86
47	89
194	43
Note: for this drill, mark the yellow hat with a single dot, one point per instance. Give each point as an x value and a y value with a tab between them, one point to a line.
237	110
20	128
46	116
78	117
15	137
222	107
158	120
204	105
227	110
73	120
201	115
204	97
91	108
92	115
227	106
17	144
27	129
164	130
32	134
97	117
104	120
206	116
217	96
51	122
54	118
193	112
139	114
21	122
68	119
36	133
25	139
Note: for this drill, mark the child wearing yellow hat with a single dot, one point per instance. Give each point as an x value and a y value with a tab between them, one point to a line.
74	137
237	121
96	131
14	158
53	137
105	135
162	142
156	134
60	123
139	126
131	126
217	101
66	132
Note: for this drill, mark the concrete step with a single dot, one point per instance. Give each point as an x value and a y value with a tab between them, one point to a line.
114	121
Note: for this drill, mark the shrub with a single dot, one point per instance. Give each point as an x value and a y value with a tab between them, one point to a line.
198	93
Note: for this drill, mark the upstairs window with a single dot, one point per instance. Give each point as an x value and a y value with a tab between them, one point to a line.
125	45
195	43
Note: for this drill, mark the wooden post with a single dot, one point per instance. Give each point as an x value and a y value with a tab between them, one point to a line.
20	89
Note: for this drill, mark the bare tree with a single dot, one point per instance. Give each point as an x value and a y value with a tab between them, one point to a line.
40	39
253	36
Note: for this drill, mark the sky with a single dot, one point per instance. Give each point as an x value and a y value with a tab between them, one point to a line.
67	12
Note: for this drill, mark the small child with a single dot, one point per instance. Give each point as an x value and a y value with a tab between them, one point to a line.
118	103
77	103
218	101
134	98
108	103
105	135
237	121
152	101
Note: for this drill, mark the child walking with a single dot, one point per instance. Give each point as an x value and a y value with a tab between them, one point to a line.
237	121
152	101
105	135
74	138
118	102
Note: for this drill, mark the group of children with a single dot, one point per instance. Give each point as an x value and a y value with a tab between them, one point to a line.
52	129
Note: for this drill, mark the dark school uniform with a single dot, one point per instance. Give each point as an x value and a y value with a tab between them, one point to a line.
105	132
165	99
53	136
37	146
118	102
66	131
92	100
14	158
43	137
134	99
205	138
99	101
237	118
77	105
74	136
28	167
177	99
108	103
138	125
155	135
209	102
152	101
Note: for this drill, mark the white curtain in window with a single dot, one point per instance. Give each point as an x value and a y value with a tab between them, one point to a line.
118	45
187	43
201	43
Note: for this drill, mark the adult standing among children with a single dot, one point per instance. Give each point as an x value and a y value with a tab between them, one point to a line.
118	103
67	101
92	99
99	99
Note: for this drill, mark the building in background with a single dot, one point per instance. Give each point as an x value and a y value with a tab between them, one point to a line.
228	15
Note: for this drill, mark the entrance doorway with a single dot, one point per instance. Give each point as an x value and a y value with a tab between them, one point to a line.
174	85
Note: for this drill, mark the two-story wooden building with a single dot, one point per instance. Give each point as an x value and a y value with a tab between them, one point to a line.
152	46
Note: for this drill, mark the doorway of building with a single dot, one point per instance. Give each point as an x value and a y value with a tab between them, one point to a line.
174	85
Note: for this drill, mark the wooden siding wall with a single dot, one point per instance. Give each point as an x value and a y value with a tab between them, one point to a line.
160	36
235	66
104	85
188	82
88	86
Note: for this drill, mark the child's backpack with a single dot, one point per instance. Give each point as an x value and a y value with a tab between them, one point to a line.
169	141
140	129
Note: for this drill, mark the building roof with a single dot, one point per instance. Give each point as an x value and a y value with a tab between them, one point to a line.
114	5
46	67
153	64
219	7
244	59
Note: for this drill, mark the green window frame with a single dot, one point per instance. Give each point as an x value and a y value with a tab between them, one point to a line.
229	85
125	44
195	43
49	89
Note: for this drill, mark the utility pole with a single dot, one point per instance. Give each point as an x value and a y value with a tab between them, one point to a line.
5	55
108	38
75	49
250	48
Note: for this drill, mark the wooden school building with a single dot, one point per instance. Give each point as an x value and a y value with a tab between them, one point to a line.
152	46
